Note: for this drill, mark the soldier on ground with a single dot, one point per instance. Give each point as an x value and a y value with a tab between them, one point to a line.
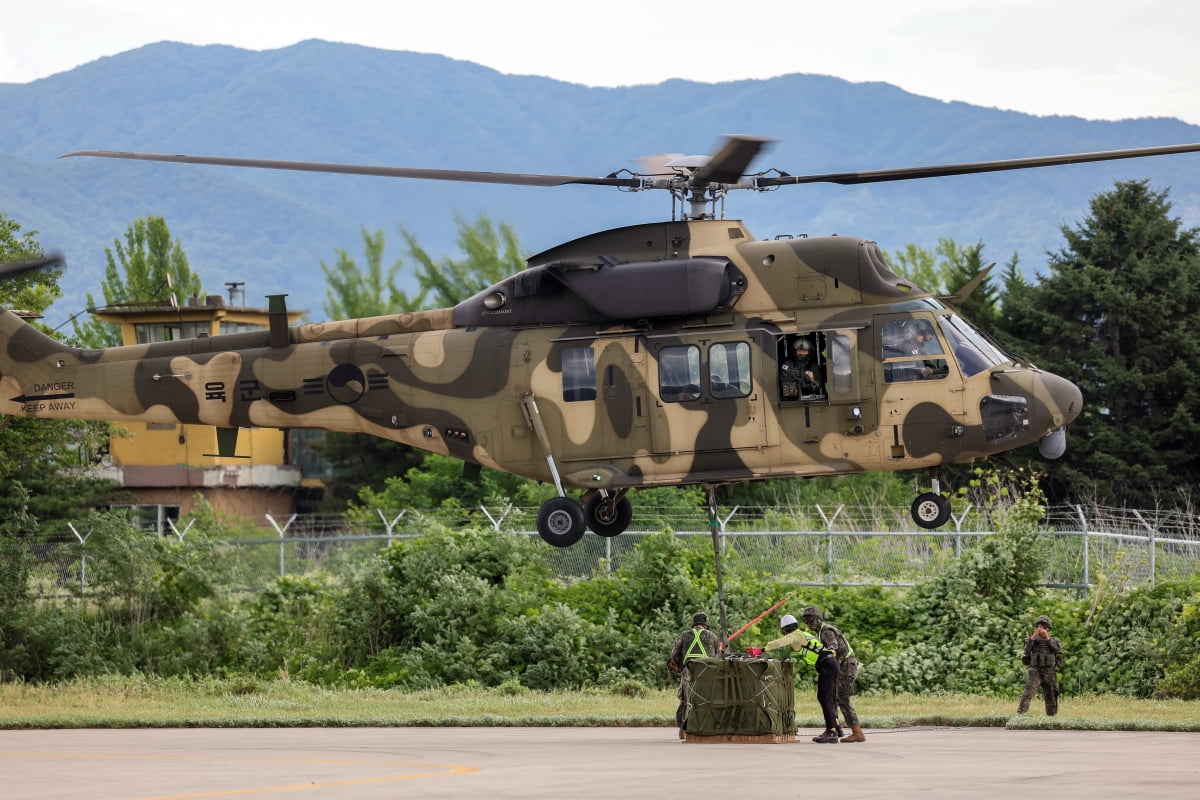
695	642
824	661
1043	657
832	638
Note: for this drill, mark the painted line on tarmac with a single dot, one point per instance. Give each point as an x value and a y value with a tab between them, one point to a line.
442	771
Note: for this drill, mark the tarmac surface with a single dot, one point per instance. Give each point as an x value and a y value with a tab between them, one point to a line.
587	763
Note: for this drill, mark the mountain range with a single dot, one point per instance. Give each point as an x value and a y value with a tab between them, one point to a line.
321	101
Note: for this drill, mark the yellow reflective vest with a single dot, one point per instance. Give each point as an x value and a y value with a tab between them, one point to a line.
803	642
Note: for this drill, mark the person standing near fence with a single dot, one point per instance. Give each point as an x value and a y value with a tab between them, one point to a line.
696	642
832	638
1042	657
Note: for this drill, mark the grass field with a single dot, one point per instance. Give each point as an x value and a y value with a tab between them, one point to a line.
122	702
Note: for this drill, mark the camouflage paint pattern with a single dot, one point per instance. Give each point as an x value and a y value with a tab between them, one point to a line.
484	381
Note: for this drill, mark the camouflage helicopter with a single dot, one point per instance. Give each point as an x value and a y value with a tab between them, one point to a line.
670	353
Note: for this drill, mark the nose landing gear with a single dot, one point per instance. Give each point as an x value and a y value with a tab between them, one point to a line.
931	509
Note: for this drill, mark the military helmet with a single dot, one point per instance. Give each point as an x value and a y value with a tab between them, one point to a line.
788	619
812	611
1043	620
803	343
700	618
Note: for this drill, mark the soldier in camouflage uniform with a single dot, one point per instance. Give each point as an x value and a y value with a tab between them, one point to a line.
832	638
696	642
799	373
1043	656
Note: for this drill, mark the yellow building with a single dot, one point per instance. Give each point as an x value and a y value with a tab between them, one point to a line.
165	466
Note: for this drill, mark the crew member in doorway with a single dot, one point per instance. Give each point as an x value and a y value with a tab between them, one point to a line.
799	372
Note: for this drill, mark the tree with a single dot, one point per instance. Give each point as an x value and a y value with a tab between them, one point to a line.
149	269
491	254
1118	315
957	266
352	294
31	291
35	453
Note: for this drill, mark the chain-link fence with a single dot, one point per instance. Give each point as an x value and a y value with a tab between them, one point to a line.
803	546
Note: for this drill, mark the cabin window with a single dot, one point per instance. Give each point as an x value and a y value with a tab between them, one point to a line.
729	370
579	374
679	373
912	352
840	360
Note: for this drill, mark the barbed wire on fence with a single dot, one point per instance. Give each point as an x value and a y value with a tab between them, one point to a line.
803	545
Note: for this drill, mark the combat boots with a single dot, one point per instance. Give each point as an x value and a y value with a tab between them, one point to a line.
856	734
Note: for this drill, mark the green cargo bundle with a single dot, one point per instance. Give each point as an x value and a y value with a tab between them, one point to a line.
740	697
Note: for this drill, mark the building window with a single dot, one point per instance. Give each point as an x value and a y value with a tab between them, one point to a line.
240	327
149	332
151	516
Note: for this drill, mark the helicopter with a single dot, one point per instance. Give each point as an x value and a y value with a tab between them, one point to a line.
678	352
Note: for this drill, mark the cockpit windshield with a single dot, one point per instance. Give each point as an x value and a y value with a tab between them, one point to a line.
971	348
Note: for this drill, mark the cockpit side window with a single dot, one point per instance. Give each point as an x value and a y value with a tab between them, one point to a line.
971	348
912	352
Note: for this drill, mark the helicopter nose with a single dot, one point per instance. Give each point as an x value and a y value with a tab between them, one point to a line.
1066	400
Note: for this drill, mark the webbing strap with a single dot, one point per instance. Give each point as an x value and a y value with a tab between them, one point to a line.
696	649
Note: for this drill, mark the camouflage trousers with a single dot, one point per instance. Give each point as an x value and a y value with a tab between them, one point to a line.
681	693
845	690
1047	679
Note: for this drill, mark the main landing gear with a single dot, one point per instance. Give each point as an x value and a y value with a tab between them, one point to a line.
561	520
931	509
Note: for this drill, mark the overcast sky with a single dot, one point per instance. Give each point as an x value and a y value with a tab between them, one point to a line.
1098	59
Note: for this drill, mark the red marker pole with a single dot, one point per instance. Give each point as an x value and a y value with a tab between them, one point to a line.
734	635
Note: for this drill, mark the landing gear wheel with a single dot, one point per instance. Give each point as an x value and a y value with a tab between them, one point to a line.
931	510
560	521
608	516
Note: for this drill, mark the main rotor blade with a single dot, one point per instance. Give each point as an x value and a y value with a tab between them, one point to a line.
513	178
910	173
729	163
51	260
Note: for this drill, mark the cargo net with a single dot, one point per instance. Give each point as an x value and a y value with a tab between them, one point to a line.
740	696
